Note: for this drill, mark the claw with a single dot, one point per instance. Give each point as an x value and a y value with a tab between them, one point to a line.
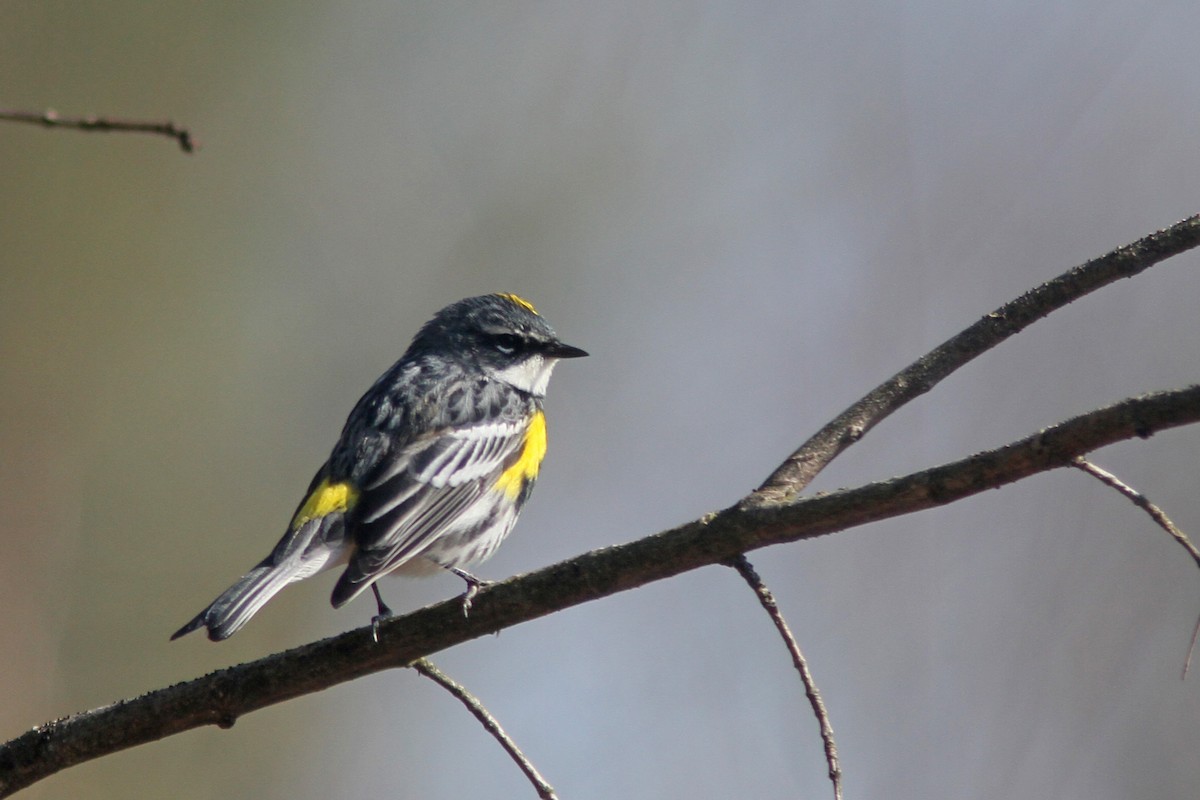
375	620
473	586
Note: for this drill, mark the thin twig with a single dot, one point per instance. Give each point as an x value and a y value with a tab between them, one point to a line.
746	570
490	724
51	119
1141	501
1160	518
1187	662
798	470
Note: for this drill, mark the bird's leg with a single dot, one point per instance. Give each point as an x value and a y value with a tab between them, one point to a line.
473	586
384	612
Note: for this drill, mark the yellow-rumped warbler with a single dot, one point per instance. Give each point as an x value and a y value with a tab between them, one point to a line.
432	467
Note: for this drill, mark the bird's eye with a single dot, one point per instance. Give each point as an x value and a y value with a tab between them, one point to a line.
507	343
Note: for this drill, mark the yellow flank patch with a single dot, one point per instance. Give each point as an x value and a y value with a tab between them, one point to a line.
521	301
325	500
525	468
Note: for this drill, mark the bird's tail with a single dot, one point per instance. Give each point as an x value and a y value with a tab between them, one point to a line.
237	604
315	542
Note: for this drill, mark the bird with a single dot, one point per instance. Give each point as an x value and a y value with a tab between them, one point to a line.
431	469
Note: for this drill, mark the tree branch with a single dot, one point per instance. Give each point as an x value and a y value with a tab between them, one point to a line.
770	515
786	482
1160	518
221	697
767	600
1141	501
50	119
490	724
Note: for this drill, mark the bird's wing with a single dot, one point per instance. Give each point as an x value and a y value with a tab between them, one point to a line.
416	492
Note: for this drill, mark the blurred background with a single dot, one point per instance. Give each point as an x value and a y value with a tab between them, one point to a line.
750	214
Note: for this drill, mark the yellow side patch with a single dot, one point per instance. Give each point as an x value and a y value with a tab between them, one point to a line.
324	500
521	301
525	468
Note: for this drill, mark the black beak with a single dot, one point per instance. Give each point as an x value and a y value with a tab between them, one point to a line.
560	350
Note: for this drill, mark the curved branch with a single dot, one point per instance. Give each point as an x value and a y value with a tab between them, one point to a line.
767	600
1160	518
786	482
221	697
1141	501
490	724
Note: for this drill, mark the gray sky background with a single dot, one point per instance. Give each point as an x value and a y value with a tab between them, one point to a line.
750	214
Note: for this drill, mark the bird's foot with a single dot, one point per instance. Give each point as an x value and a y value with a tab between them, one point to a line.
473	586
384	614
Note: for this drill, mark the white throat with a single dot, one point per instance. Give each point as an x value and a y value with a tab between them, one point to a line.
530	375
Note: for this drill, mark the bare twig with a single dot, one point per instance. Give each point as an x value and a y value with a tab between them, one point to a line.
221	697
1160	518
786	482
51	119
746	570
1187	662
1141	501
490	724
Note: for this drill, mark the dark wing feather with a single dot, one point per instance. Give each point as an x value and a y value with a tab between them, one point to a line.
416	492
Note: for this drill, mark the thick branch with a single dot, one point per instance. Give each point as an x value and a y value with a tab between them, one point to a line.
221	697
51	119
923	374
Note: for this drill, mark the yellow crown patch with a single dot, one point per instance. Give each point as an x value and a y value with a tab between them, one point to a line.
518	300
